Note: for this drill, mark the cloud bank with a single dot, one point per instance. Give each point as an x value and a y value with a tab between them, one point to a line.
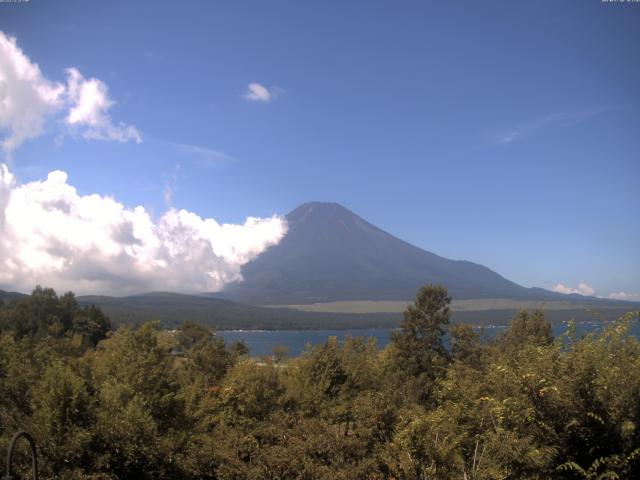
587	290
624	296
51	235
28	99
583	289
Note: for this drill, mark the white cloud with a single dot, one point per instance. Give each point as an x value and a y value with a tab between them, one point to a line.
583	289
51	235
90	104
27	99
624	296
258	93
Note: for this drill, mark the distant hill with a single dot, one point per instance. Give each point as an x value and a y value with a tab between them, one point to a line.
331	254
172	309
8	296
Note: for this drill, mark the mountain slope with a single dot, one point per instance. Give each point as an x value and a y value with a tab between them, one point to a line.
9	296
331	254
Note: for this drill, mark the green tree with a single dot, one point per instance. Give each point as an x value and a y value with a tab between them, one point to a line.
465	344
418	347
139	411
527	328
91	325
62	419
250	393
43	314
280	353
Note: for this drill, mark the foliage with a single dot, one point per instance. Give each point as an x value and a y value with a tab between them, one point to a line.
43	314
418	348
150	403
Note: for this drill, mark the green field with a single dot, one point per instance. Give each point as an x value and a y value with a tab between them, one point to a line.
473	305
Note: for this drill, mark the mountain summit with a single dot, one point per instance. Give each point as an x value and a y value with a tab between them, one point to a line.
332	254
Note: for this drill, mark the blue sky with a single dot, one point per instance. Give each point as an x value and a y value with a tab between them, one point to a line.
506	133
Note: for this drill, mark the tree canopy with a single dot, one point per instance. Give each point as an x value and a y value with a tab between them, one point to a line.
144	402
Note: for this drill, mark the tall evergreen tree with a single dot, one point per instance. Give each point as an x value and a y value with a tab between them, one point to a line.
418	346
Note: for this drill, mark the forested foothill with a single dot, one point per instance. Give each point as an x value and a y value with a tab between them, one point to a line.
145	402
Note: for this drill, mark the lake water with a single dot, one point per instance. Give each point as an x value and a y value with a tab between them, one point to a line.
262	342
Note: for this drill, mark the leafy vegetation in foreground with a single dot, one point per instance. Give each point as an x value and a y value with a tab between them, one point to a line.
147	403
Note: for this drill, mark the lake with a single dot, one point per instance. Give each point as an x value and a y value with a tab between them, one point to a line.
262	342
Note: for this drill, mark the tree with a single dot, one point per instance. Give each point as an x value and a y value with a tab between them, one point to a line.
192	335
280	353
91	324
239	348
38	315
418	347
62	418
250	393
465	344
527	328
138	404
44	314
